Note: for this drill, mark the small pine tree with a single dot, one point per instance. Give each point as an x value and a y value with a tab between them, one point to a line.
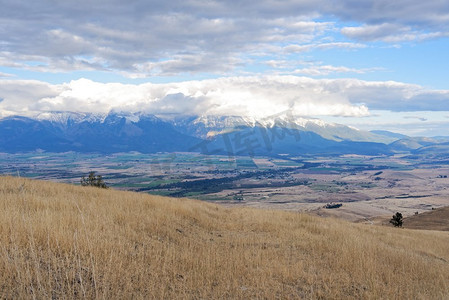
93	180
396	220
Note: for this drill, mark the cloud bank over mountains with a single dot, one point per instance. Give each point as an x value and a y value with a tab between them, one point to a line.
248	96
219	57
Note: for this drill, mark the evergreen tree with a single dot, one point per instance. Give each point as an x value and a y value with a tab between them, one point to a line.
93	180
396	220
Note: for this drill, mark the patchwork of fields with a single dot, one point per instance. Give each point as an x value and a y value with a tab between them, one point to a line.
368	186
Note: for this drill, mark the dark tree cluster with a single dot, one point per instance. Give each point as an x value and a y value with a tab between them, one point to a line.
93	180
396	220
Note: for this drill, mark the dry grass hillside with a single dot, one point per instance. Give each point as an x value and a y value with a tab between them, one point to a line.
437	219
63	241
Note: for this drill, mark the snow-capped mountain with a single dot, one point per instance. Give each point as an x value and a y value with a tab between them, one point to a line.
210	126
114	132
146	133
65	119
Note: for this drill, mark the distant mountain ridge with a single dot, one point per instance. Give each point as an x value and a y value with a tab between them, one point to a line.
208	126
231	135
389	134
91	133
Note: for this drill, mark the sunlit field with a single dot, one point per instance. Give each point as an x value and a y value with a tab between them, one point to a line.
65	241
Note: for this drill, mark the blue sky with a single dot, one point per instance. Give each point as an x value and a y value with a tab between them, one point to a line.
371	64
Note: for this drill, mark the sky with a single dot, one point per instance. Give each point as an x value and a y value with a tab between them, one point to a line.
377	64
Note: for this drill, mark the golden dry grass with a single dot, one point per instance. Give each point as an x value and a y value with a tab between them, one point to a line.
63	241
437	219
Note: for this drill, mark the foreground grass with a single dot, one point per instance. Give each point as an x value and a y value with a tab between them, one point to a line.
63	241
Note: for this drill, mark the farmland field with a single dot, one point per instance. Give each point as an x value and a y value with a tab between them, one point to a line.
368	186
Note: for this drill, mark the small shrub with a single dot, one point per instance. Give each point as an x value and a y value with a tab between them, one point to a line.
396	220
93	180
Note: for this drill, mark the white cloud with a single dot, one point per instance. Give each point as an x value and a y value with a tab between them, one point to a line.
20	95
188	63
5	75
322	46
226	96
322	70
374	32
256	96
313	68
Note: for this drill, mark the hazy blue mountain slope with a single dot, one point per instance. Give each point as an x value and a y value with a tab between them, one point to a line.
412	143
122	132
208	126
279	140
23	134
390	134
433	149
114	133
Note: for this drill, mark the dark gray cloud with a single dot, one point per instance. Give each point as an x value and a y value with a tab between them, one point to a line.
123	36
426	15
170	37
396	21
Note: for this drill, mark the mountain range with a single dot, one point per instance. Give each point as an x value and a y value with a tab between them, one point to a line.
231	135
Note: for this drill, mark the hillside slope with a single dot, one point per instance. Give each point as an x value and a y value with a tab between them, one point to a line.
437	219
63	241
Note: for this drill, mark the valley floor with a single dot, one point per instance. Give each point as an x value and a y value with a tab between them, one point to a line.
64	241
371	188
